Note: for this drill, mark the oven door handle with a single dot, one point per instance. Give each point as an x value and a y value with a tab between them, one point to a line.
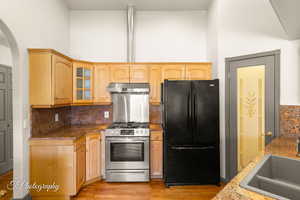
127	140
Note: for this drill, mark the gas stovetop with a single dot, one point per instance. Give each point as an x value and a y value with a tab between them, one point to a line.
130	125
128	129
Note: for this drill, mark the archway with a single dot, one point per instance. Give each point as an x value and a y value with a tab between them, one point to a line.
16	104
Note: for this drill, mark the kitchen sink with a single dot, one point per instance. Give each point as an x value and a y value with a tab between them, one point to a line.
275	176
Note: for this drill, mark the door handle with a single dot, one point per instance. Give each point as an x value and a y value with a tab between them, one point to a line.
189	111
269	133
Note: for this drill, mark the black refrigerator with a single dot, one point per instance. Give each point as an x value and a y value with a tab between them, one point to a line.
191	132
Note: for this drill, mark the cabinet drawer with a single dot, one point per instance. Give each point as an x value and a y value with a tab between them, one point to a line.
156	135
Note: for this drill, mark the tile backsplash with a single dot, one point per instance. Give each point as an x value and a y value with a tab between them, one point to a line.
85	115
289	119
43	120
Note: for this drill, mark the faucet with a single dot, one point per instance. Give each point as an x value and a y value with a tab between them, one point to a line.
298	147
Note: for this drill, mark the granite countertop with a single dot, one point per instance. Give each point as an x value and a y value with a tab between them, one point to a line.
283	146
75	132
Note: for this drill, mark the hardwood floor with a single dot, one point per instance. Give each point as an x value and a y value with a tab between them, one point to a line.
4	180
154	190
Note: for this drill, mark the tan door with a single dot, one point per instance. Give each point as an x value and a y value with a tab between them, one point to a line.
200	71
63	80
119	73
139	73
80	166
173	72
101	81
251	113
83	83
156	155
93	156
155	84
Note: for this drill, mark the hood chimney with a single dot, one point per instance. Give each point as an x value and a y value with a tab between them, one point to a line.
130	33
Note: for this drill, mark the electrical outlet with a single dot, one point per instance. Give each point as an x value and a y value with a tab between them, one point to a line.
106	114
56	117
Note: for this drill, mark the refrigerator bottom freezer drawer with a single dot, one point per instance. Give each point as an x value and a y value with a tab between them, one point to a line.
192	166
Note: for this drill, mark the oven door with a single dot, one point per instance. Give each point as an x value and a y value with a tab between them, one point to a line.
127	153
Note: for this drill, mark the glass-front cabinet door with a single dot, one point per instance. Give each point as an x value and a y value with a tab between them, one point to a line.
83	83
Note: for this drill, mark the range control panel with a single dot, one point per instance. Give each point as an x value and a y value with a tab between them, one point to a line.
127	132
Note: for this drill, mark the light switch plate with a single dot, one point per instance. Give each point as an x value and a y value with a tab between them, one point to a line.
106	114
56	117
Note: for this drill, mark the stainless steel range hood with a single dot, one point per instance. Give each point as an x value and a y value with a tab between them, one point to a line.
129	88
130	102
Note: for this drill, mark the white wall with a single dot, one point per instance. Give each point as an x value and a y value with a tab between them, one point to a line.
5	55
34	24
160	36
173	36
246	27
98	35
212	36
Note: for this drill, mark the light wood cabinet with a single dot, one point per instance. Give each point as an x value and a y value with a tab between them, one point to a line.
139	73
57	161
63	80
101	81
199	71
50	79
156	154
173	72
155	83
83	83
119	73
93	157
80	157
57	80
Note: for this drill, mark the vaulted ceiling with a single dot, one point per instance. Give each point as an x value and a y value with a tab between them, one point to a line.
288	12
140	4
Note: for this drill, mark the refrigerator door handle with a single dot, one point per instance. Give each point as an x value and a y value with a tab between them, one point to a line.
195	114
189	111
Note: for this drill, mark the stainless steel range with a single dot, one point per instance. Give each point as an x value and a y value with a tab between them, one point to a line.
127	139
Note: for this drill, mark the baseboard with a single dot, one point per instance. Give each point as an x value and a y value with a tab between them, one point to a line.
156	176
26	197
92	181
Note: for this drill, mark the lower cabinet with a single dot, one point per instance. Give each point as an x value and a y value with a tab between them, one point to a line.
80	155
93	157
59	164
156	154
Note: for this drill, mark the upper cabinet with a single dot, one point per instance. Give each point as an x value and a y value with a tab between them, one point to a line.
119	73
173	72
50	76
101	81
155	83
57	80
82	83
139	73
198	71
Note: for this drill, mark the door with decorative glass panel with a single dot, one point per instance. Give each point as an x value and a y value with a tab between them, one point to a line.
252	107
82	83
